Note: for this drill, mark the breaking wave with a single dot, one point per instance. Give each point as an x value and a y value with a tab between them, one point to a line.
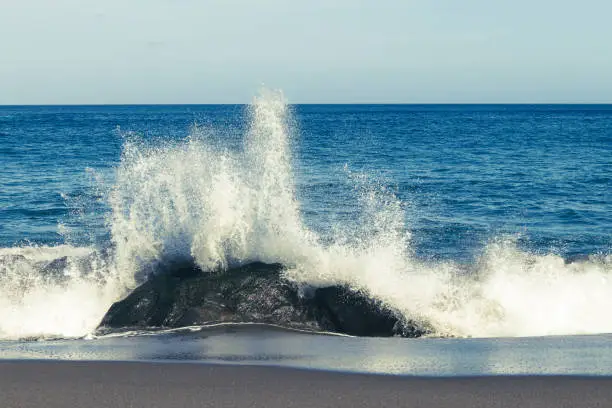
197	201
59	291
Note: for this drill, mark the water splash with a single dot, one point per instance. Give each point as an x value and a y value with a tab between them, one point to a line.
54	291
193	200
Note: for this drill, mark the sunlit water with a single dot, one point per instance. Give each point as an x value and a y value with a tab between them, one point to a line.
257	345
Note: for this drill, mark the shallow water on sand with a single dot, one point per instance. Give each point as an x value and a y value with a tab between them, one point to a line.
269	346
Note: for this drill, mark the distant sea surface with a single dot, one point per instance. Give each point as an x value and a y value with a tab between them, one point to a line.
486	220
466	173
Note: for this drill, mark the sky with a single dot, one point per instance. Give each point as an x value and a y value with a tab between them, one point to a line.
316	51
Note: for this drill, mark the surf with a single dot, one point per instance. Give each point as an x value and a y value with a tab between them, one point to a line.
199	201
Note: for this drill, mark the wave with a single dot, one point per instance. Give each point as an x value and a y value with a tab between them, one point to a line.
59	291
197	201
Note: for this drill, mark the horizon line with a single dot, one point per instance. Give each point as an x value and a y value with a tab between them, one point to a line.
323	104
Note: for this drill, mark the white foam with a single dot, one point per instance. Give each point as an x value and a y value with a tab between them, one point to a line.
508	293
66	302
190	200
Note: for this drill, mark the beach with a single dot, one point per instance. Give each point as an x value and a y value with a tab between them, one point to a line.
140	384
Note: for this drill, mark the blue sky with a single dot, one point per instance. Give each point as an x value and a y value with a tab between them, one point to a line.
222	51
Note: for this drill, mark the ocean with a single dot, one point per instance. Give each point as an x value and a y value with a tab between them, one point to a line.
490	225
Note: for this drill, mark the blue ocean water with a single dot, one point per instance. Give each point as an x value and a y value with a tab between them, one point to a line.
465	173
481	220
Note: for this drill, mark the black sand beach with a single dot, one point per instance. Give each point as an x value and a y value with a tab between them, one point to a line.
49	384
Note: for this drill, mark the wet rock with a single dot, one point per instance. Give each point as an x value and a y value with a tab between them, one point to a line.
352	312
255	293
411	328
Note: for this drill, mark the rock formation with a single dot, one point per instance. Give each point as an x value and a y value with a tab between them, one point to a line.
256	293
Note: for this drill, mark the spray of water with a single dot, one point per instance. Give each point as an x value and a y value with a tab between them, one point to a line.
192	200
195	201
54	291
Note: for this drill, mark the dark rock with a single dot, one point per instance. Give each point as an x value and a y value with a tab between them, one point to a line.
353	313
252	293
411	328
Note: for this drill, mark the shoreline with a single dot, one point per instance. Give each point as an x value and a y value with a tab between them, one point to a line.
30	383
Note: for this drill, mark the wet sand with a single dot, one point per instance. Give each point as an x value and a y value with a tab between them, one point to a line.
117	384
